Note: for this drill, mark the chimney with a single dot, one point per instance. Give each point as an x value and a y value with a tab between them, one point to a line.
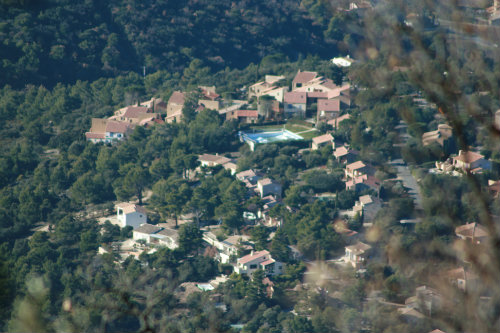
460	152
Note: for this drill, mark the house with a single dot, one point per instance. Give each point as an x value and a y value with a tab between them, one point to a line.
144	232
268	203
209	160
336	121
343	61
471	161
261	88
363	182
249	175
267	186
167	237
259	260
301	78
157	105
462	278
208	93
129	214
356	254
327	109
295	103
231	167
209	104
108	131
244	116
174	106
356	169
472	232
322	140
345	155
277	92
443	133
228	248
368	207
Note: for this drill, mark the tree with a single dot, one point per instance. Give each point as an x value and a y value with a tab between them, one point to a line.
190	238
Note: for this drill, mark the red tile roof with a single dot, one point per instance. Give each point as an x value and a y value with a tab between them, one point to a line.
247	113
295	97
117	127
177	98
468	156
329	105
303	77
471	230
251	257
135	111
323	138
356	165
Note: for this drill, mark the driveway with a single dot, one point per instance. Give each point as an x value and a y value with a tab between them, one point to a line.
409	181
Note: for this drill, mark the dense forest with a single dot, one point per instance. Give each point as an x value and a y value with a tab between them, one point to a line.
45	42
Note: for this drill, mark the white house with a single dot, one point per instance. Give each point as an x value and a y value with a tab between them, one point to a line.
108	131
129	214
267	186
342	61
368	206
167	237
356	254
229	247
259	260
144	232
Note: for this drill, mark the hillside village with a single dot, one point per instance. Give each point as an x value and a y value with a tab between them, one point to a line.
317	107
261	166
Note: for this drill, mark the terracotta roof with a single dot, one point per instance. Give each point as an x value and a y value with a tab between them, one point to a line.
329	105
295	97
265	181
471	230
365	199
341	151
135	111
468	156
267	262
247	113
131	208
359	248
246	174
356	165
177	98
303	77
251	257
90	135
117	127
323	138
147	229
214	158
317	94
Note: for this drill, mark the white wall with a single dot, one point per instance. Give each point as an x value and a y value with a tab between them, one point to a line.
131	219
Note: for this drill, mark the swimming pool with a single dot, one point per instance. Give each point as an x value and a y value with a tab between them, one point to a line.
254	138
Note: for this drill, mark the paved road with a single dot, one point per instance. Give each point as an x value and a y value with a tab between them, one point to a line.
409	181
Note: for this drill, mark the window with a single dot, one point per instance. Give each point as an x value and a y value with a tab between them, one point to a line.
253	266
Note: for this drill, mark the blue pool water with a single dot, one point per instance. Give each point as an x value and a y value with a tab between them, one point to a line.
271	136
